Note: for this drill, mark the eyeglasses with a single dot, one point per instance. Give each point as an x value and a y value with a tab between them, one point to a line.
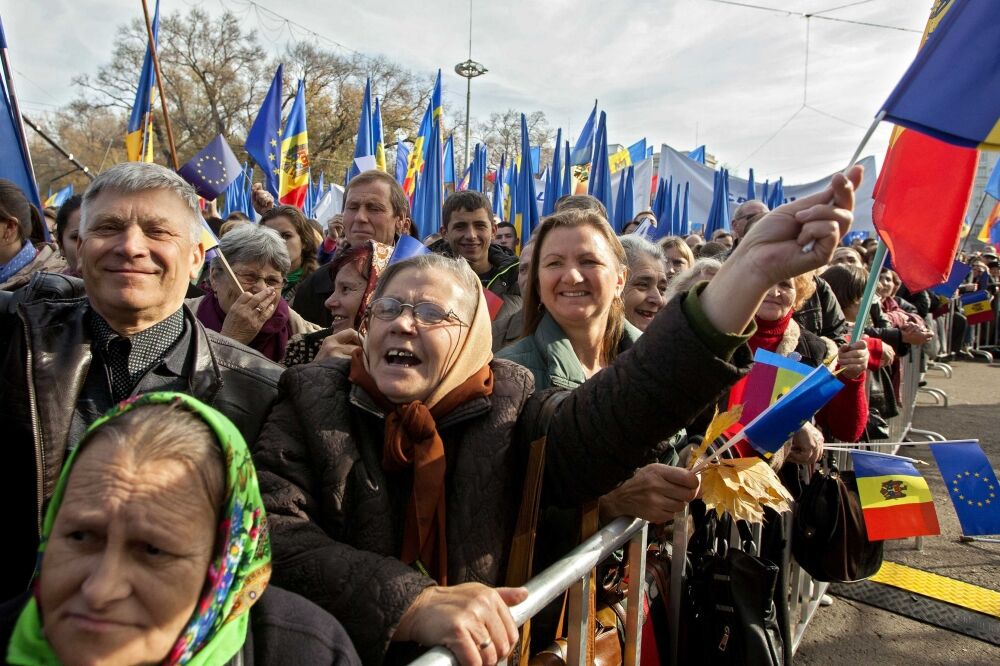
251	279
427	313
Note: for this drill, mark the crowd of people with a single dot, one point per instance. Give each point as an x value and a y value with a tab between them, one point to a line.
298	451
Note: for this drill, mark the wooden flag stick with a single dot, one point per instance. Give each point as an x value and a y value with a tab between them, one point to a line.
159	85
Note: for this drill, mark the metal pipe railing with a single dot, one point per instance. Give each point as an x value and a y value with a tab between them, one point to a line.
573	568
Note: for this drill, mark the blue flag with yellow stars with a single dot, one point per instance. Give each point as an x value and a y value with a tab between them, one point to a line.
212	170
972	485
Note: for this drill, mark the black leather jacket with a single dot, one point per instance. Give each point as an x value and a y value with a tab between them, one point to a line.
45	354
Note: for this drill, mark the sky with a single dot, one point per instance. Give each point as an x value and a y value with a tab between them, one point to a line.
681	72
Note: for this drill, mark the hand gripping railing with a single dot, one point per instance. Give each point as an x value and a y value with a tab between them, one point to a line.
572	572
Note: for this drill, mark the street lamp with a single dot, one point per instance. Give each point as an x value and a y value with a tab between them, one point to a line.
469	70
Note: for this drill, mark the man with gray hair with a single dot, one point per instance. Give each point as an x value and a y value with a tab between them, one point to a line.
65	363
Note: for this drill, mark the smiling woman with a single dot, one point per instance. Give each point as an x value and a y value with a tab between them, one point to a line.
155	551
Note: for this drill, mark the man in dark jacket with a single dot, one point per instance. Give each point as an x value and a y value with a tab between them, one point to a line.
468	230
64	363
375	208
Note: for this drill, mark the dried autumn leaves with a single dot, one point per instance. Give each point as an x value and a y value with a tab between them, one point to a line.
741	487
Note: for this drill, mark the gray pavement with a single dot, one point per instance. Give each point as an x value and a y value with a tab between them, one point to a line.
849	632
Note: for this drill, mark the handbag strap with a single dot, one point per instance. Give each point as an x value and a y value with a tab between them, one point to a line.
522	549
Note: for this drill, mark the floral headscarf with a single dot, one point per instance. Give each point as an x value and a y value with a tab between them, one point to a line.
236	576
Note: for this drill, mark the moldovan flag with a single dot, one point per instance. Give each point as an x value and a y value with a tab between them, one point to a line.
771	377
976	307
294	182
972	485
950	93
895	499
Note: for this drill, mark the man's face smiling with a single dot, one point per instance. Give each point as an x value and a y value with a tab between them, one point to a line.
470	233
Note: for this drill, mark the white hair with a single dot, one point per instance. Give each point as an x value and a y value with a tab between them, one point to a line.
133	177
254	244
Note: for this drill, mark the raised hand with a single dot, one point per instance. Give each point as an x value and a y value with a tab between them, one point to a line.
773	251
852	359
248	314
339	345
261	199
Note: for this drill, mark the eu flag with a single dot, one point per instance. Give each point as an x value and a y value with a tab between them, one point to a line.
776	424
952	89
972	485
212	170
264	138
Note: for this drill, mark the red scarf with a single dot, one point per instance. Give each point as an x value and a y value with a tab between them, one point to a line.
412	440
769	333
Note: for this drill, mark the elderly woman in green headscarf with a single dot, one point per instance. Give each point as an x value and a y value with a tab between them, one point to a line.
154	549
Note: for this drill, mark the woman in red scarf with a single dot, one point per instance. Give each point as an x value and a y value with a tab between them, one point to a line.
845	416
251	311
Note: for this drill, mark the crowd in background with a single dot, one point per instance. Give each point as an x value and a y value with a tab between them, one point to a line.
299	408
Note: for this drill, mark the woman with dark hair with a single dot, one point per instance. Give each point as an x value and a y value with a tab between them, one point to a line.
19	258
300	239
355	274
68	231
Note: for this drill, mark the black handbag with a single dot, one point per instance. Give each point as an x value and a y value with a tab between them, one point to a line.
829	539
728	614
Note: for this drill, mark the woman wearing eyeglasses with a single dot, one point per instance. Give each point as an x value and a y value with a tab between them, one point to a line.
393	479
251	312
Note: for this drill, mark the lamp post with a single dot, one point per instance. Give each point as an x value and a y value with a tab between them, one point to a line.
469	70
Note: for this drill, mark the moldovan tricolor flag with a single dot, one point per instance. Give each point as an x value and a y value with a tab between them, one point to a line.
294	183
895	499
950	93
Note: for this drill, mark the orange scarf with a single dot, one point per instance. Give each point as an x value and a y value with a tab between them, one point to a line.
412	440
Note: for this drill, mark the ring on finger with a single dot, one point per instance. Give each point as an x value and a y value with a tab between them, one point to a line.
485	644
259	309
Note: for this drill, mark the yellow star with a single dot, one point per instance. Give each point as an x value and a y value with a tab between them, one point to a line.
970	502
976	474
979	503
961	497
991	487
273	142
967	474
987	501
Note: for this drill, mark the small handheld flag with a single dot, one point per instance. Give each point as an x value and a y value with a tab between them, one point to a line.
212	170
959	271
895	499
976	307
776	424
972	485
60	197
406	248
771	377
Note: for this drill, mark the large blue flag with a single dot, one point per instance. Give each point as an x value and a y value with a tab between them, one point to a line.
364	144
584	147
429	195
378	137
952	89
524	201
15	161
775	425
685	227
599	185
972	485
698	154
237	195
553	184
212	170
627	198
264	138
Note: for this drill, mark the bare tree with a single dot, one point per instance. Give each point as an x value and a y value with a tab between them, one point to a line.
502	133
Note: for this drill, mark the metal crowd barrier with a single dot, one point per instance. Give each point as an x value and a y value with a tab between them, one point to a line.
572	572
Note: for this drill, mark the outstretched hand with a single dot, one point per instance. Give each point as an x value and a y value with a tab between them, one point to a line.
773	251
774	247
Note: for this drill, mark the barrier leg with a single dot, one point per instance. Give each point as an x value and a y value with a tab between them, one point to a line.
579	620
680	544
633	604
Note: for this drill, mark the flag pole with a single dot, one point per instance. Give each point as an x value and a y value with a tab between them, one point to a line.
972	227
159	85
864	310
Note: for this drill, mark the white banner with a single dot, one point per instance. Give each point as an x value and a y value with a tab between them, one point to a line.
685	170
642	185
